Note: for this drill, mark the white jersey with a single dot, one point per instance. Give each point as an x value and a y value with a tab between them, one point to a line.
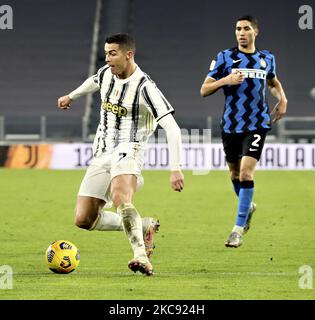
130	109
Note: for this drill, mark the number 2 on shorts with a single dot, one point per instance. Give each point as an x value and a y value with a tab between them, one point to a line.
257	139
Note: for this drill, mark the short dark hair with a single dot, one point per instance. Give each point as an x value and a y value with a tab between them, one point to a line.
124	40
251	19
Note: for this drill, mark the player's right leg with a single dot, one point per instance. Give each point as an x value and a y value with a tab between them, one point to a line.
232	145
92	197
234	168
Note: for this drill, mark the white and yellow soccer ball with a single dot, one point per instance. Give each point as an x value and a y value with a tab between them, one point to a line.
62	256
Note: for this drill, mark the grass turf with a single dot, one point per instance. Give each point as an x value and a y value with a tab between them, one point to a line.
190	259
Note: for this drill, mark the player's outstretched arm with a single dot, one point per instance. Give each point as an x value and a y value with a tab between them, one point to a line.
174	142
88	86
277	91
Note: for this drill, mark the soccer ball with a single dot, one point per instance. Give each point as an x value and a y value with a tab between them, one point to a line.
62	256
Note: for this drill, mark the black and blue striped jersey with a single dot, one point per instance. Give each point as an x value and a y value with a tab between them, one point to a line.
246	107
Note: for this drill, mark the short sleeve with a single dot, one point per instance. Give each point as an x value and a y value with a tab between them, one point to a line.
272	71
217	67
155	101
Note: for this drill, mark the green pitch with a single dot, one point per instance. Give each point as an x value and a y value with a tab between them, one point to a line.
190	259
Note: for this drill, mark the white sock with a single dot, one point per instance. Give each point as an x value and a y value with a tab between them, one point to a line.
132	224
111	221
238	229
108	221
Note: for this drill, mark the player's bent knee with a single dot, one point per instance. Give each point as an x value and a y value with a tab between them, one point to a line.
83	224
86	212
82	221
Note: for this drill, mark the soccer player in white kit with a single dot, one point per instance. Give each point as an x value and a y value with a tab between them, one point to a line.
131	108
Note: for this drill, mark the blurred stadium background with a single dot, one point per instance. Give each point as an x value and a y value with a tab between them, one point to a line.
55	46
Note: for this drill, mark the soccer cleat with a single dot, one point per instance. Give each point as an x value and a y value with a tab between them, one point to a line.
143	267
150	227
234	240
249	218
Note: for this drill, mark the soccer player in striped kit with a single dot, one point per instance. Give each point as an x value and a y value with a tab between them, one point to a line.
131	108
243	73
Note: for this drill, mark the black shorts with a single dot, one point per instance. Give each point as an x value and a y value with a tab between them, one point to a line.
237	145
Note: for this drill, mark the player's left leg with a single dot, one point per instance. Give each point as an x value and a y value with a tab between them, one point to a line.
248	165
245	197
123	187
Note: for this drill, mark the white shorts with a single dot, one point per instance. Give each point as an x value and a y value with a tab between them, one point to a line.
127	158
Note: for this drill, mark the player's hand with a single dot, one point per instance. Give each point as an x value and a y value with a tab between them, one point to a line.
279	111
235	78
64	102
177	180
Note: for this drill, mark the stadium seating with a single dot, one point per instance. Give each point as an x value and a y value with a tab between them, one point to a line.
45	56
48	53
